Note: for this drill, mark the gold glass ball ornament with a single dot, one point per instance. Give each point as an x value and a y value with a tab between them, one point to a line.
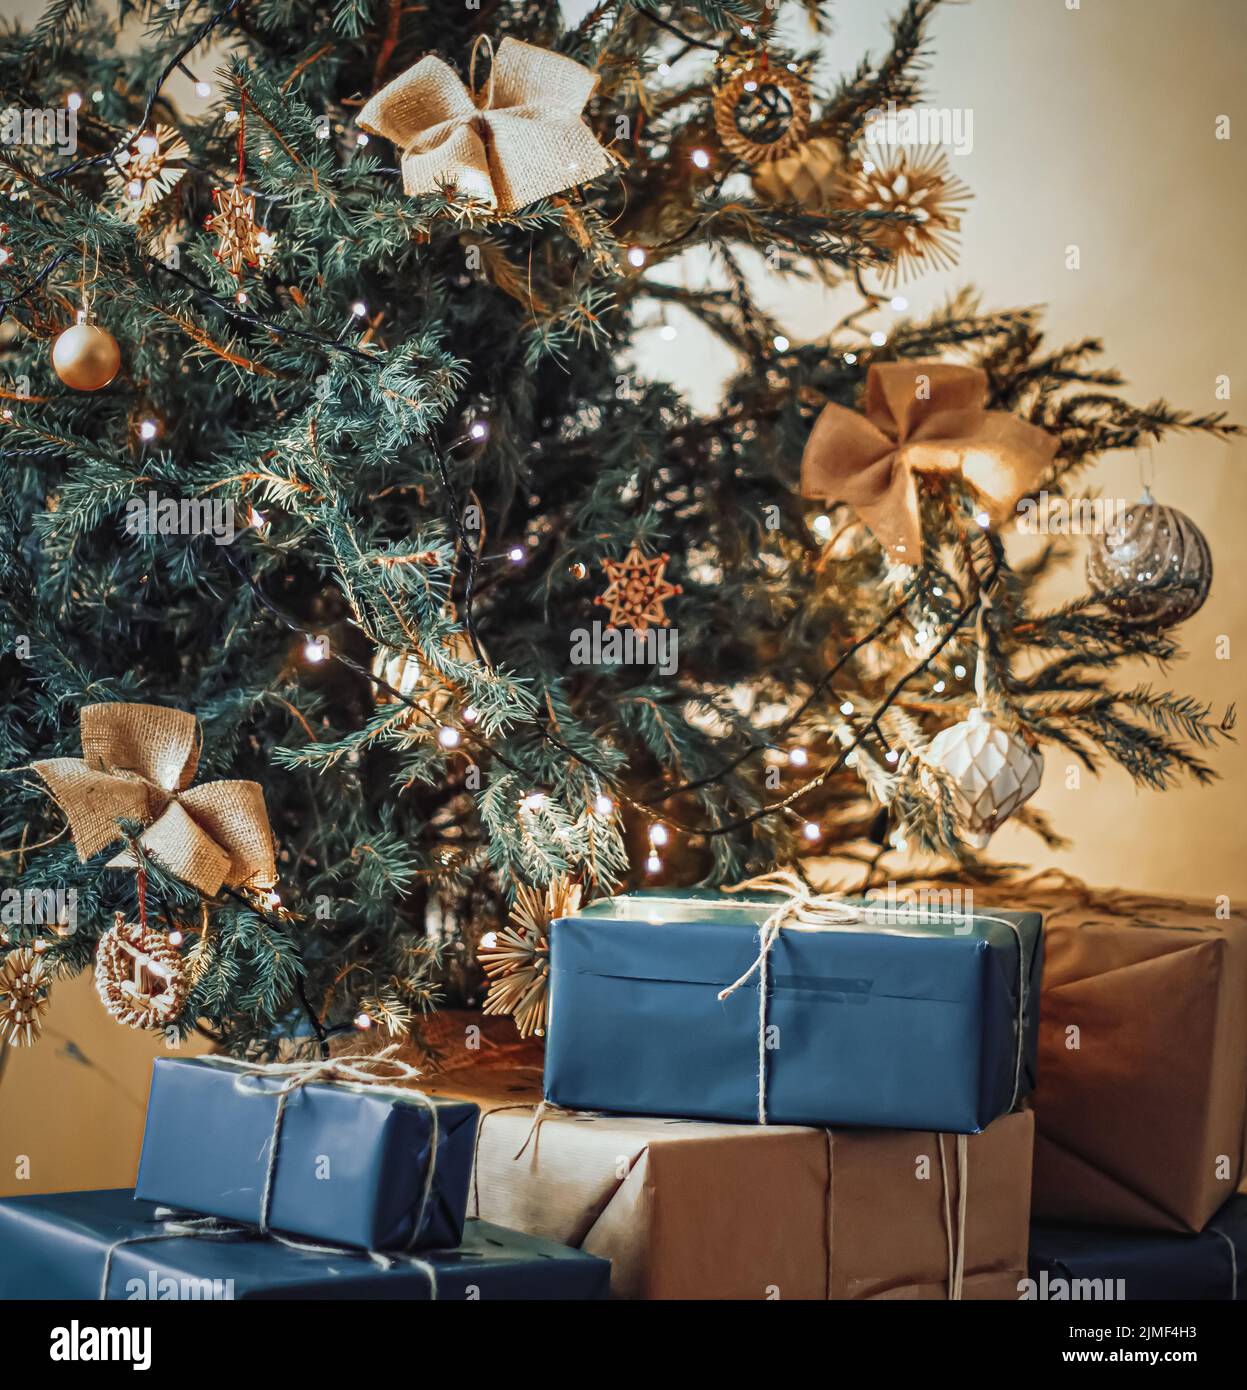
86	357
812	176
992	771
403	671
1153	568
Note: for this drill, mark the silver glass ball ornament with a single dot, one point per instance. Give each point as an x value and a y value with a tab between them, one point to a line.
1153	568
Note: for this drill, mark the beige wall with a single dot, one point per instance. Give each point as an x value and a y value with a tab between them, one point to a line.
1091	127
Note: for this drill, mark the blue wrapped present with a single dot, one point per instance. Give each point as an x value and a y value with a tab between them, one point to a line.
352	1161
57	1246
900	1019
1080	1262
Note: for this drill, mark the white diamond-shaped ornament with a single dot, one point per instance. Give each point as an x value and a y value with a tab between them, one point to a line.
992	770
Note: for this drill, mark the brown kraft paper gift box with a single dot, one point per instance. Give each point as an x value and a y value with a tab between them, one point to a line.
1141	1106
691	1210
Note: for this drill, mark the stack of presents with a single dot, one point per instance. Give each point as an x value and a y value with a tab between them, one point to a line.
917	1104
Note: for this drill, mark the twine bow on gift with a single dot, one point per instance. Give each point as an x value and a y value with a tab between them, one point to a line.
804	910
921	417
137	764
519	140
378	1072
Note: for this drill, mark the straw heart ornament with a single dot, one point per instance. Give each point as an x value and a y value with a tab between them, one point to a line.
137	764
921	418
520	139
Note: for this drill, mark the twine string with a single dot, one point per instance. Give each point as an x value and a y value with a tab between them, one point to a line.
482	41
378	1071
803	910
178	1225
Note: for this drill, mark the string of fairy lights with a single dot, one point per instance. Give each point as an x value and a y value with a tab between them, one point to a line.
451	736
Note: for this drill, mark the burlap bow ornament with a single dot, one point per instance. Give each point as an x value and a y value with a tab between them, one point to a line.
520	140
137	764
921	417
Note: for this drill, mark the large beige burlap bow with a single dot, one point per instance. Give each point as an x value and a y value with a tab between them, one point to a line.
520	140
921	417
137	764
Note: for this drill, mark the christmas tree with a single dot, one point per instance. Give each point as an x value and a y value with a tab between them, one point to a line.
320	427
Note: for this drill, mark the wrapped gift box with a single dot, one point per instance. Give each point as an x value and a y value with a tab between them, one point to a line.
55	1247
1141	1108
351	1161
1101	1262
909	1021
692	1210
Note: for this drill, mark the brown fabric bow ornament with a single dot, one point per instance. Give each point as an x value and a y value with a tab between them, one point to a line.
137	764
520	140
921	417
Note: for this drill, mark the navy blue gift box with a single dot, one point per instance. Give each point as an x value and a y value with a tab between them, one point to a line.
904	1021
56	1246
1086	1261
352	1161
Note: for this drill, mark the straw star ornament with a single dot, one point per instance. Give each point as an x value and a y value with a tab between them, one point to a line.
517	957
637	590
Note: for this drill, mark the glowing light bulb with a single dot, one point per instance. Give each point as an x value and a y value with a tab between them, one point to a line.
603	805
256	519
850	357
489	940
983	520
134	189
203	90
751	86
653	864
899	302
147	144
448	737
74	100
361	138
959	671
701	158
846	707
658	834
821	526
478	429
892	755
231	117
810	830
878	338
175	937
147	430
637	256
359	308
781	343
798	757
470	714
240	297
316	649
363	1022
938	687
516	554
97	95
